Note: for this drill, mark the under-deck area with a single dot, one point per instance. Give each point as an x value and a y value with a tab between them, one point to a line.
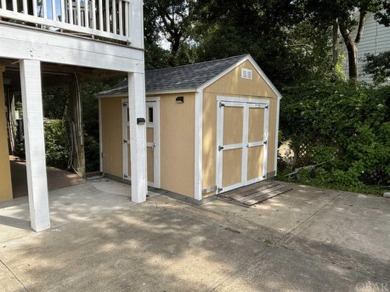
45	42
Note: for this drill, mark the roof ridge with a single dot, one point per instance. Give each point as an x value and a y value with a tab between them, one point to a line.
203	62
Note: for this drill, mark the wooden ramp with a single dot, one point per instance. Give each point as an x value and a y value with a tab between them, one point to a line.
250	195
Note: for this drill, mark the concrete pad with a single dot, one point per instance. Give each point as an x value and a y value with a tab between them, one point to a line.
101	241
359	222
8	280
280	215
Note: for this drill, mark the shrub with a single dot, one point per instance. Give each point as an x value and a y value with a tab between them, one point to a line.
57	144
343	124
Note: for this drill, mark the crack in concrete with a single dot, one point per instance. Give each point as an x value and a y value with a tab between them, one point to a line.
16	277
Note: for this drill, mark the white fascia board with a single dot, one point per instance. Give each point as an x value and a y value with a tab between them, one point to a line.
151	93
124	95
24	43
190	90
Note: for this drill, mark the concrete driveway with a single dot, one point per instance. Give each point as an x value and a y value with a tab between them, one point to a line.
305	240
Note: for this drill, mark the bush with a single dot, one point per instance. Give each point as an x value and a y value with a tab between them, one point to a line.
343	124
57	144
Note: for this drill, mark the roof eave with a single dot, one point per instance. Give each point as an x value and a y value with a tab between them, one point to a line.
156	92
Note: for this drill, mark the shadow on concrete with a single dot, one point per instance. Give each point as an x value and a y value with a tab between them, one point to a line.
104	242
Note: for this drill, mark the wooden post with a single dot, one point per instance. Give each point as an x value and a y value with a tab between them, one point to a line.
137	112
30	78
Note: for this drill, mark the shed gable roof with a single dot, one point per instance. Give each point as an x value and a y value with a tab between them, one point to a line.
186	77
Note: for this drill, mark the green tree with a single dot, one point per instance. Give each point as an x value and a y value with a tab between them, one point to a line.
378	66
169	21
275	33
346	17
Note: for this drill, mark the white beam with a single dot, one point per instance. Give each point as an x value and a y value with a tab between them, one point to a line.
137	110
46	46
30	78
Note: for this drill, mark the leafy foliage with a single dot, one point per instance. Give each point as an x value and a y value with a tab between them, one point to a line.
57	144
378	66
343	125
273	32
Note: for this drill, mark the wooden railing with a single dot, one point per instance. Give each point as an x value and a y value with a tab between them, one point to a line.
102	18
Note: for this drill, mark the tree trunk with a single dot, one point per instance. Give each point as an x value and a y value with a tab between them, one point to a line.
335	37
352	58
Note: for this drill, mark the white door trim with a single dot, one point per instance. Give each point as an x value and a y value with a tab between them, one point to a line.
125	137
157	149
155	101
246	104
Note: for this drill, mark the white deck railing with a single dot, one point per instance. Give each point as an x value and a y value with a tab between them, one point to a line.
103	18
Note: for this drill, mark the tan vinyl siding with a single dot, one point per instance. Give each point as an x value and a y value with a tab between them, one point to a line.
111	110
5	172
177	139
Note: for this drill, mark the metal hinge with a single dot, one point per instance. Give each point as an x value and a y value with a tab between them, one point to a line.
220	190
125	175
265	142
124	141
220	148
266	106
221	104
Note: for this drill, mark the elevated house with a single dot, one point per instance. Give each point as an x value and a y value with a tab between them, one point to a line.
211	127
43	41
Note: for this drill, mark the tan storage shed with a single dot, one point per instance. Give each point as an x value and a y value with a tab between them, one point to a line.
211	127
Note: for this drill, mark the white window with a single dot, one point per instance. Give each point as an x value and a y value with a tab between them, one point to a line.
246	73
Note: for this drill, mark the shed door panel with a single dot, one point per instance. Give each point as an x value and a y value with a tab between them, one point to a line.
233	125
255	159
257	141
150	153
256	124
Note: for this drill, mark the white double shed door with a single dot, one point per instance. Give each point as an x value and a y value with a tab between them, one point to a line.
242	136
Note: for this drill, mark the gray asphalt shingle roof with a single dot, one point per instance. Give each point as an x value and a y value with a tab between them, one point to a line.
178	78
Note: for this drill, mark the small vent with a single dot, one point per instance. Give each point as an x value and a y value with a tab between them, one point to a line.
246	74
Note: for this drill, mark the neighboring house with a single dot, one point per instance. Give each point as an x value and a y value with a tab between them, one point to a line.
48	40
211	127
375	39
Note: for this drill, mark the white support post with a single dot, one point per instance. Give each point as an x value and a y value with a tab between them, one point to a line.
137	110
30	78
